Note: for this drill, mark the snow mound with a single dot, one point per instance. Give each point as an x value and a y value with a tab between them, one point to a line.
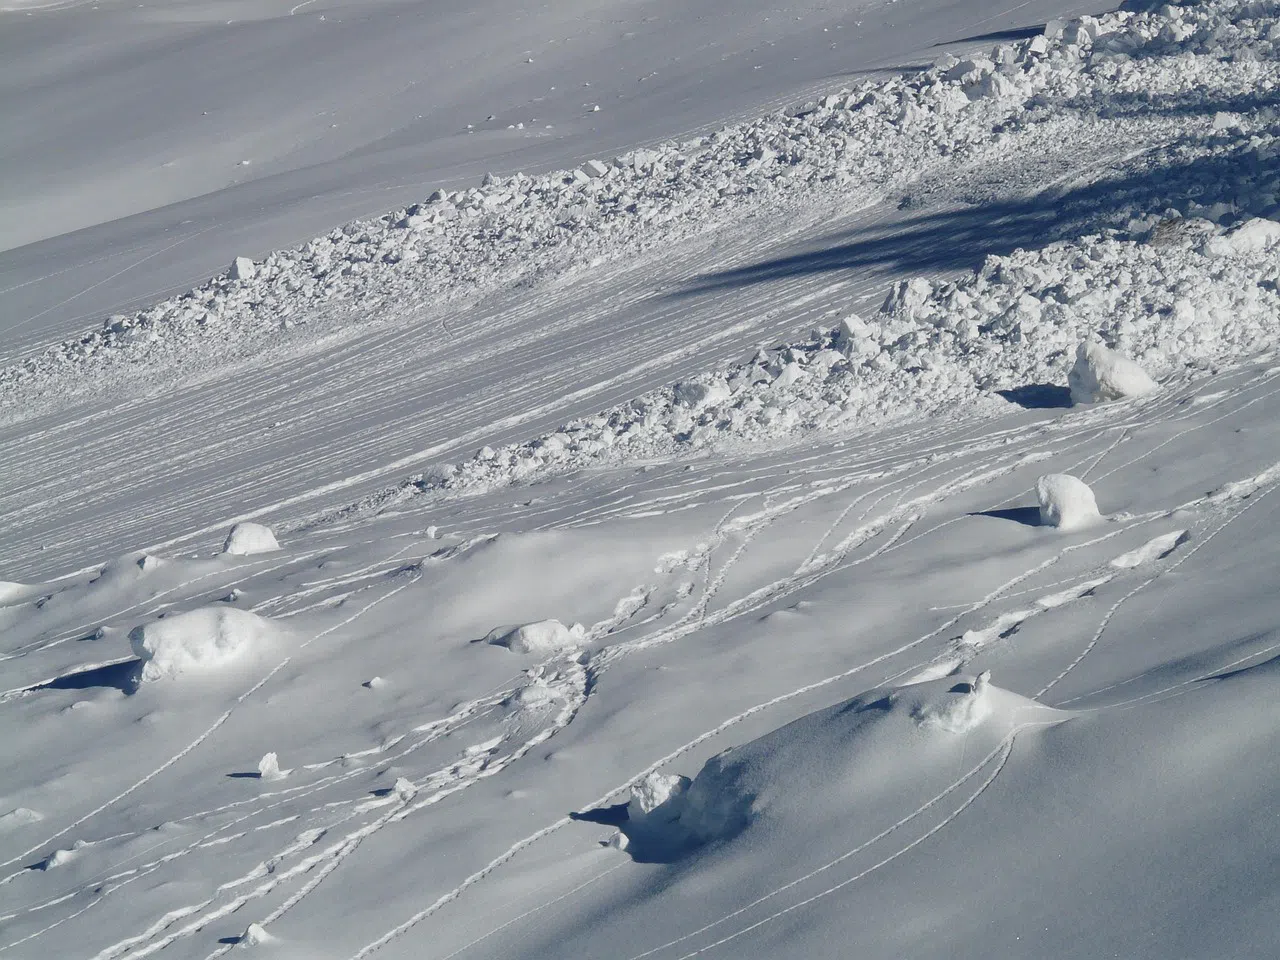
1066	502
543	636
1100	375
12	593
19	817
826	767
959	714
246	539
199	641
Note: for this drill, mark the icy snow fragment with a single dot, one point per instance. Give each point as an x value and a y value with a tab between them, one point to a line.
653	791
594	168
198	640
404	789
269	768
246	539
1254	236
1066	502
242	268
544	636
1100	375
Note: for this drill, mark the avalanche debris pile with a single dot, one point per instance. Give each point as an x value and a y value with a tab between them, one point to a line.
873	138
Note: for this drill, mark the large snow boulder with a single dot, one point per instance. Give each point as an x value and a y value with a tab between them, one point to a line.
544	636
1100	375
246	539
1066	502
199	641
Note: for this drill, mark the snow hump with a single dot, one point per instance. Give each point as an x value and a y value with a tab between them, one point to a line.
198	641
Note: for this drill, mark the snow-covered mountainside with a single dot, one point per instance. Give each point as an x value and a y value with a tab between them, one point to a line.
842	532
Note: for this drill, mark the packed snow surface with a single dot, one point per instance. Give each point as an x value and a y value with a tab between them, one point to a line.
733	434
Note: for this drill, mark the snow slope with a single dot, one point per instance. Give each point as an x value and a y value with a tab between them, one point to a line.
657	561
276	120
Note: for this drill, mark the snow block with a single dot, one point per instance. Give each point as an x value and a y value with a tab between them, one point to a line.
652	791
1100	375
594	168
1066	502
544	636
1253	236
199	641
696	394
242	268
246	539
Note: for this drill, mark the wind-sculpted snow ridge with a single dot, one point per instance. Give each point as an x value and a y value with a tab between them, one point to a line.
874	137
1009	329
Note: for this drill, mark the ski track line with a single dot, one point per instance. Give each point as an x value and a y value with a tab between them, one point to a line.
456	777
973	798
1106	619
208	732
528	913
1002	748
533	838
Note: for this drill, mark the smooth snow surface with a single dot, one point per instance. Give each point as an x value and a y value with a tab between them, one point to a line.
747	420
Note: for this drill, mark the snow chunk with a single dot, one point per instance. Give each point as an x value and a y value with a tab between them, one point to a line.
246	539
1254	236
544	636
594	168
269	768
1100	375
242	268
652	791
197	641
697	394
1066	502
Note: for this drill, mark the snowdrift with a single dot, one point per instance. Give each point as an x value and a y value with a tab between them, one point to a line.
842	763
